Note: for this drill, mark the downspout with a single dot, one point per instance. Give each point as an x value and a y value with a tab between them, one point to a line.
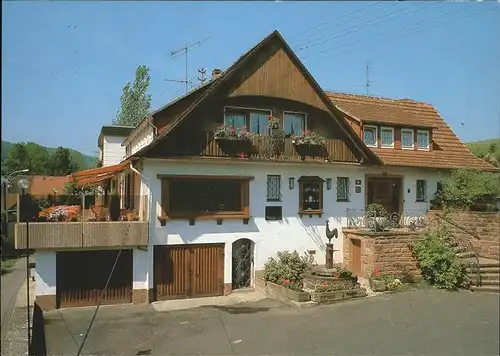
150	208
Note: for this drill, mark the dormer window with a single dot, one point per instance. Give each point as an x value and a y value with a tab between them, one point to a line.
422	140
387	137
370	135
407	139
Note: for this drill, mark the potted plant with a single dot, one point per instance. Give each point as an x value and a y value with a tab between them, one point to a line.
114	206
224	132
377	282
377	217
273	122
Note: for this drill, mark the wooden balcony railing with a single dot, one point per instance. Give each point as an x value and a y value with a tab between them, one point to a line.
265	148
67	235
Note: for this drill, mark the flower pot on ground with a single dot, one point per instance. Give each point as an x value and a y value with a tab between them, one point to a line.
377	285
114	206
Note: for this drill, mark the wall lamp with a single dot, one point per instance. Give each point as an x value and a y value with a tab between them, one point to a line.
291	182
328	183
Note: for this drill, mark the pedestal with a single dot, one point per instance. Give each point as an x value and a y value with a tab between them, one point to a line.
329	256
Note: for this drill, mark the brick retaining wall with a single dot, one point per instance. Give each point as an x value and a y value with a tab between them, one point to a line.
387	251
481	228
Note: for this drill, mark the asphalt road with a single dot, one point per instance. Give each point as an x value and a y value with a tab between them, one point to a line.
408	323
9	288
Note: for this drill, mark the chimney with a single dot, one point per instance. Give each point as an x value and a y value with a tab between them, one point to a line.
215	73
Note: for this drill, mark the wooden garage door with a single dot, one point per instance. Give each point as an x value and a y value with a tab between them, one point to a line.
188	271
82	275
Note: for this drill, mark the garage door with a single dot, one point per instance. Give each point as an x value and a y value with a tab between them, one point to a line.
188	271
82	275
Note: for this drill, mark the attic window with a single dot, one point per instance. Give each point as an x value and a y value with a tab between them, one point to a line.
423	140
255	121
370	135
387	137
407	138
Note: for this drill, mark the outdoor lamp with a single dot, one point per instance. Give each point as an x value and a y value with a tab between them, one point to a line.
291	182
328	183
23	184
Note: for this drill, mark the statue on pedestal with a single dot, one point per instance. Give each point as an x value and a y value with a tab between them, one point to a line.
330	234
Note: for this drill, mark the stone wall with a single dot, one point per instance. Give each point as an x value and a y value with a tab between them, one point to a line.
482	229
387	251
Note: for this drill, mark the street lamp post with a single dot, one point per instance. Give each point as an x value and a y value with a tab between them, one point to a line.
5	186
23	185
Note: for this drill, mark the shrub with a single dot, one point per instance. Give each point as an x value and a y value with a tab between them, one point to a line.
438	262
289	267
468	188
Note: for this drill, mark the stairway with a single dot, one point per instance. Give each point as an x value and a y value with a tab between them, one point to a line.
489	270
490	276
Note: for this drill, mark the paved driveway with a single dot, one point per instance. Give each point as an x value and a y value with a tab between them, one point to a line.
10	284
410	323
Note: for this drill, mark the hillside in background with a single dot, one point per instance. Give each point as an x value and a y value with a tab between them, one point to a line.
489	150
83	161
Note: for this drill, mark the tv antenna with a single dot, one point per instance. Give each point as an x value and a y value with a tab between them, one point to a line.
184	50
368	78
202	78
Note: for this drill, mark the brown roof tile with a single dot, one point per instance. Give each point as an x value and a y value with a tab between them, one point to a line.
45	185
448	151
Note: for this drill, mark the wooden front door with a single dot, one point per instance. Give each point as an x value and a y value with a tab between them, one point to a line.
188	271
82	275
385	191
355	250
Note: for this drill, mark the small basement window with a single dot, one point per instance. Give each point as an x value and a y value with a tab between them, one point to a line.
274	213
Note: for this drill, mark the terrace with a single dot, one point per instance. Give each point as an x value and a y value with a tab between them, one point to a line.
76	222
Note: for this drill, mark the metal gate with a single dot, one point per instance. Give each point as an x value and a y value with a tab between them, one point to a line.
188	271
82	275
242	263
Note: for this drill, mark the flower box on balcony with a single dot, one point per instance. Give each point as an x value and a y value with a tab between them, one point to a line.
308	139
232	134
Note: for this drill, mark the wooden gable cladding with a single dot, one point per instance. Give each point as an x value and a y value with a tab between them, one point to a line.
274	74
195	136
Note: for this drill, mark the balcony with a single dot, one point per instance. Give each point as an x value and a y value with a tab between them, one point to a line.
71	227
265	148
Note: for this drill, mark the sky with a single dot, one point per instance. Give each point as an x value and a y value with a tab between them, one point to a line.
64	64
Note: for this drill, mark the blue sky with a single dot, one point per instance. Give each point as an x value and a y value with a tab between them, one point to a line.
64	63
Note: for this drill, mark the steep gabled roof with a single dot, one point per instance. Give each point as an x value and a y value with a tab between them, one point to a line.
448	150
240	62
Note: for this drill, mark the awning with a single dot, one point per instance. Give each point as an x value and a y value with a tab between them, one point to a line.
96	176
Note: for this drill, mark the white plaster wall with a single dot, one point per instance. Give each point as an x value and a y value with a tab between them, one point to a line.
141	269
113	152
293	232
45	273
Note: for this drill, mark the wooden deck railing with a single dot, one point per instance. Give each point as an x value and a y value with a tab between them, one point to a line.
265	147
67	235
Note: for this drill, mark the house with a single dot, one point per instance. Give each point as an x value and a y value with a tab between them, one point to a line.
221	189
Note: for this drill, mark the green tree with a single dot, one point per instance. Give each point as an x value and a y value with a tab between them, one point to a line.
135	102
18	159
39	158
61	162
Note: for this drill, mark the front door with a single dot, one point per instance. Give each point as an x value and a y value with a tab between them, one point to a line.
385	191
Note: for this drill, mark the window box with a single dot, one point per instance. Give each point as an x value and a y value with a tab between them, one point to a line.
308	138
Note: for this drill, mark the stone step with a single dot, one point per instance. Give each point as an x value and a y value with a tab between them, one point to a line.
490	276
466	254
485	269
490	265
486	289
490	282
